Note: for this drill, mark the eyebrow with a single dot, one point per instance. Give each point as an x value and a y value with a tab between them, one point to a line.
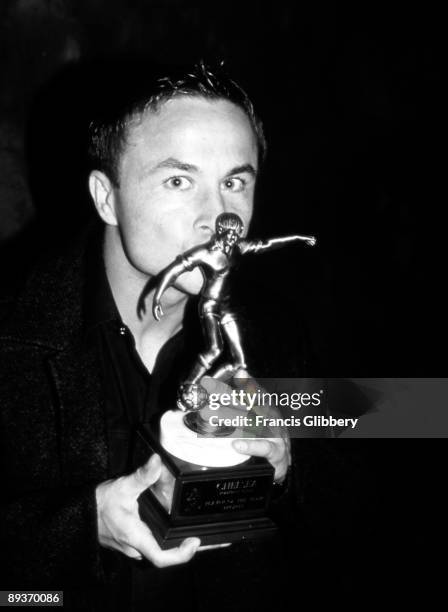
241	169
172	162
177	164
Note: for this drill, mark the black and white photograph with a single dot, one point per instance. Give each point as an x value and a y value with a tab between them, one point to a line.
222	306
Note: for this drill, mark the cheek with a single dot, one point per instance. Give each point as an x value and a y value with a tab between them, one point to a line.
151	248
151	243
244	209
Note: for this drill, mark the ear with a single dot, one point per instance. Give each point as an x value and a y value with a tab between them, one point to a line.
103	196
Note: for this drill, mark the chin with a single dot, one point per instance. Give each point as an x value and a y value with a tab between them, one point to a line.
190	282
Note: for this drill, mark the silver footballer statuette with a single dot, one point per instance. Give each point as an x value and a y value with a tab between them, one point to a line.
209	489
215	259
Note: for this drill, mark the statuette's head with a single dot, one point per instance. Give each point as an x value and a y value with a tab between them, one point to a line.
229	227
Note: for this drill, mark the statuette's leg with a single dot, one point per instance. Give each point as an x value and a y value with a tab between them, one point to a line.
230	329
210	325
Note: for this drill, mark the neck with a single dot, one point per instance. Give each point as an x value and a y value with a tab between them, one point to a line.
127	285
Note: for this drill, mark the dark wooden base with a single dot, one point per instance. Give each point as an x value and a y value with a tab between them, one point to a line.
218	532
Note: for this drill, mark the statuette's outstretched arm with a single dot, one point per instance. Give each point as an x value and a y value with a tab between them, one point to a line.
258	246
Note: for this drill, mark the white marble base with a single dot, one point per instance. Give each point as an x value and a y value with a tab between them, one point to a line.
177	439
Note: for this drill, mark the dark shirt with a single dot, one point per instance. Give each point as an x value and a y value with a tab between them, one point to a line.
132	394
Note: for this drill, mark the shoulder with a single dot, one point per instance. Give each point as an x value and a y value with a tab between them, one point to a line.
47	309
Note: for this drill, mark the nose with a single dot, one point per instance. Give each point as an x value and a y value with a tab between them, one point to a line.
210	206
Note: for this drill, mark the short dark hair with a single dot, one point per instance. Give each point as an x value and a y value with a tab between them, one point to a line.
148	91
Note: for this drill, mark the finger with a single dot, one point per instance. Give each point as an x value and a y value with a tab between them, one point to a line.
243	380
164	488
257	448
166	478
176	556
145	476
132	553
274	451
147	545
212	546
218	392
214	385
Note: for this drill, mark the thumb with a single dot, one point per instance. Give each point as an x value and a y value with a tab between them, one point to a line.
243	380
146	475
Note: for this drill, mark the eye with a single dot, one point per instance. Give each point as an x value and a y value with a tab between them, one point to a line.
179	183
234	184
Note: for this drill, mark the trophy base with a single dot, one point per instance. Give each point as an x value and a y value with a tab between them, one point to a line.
219	504
219	532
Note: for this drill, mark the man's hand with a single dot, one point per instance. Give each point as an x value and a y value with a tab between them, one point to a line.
277	450
119	523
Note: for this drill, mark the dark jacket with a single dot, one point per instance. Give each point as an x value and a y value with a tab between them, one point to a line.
53	454
53	440
53	445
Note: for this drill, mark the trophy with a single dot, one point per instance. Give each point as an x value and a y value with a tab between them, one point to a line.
207	489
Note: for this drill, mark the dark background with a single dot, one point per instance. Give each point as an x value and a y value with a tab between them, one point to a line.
352	107
352	110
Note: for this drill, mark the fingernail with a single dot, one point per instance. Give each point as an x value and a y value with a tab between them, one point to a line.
240	446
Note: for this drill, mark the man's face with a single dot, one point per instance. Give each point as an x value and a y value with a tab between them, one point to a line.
182	166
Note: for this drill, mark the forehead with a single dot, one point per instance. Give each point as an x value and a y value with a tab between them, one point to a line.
188	128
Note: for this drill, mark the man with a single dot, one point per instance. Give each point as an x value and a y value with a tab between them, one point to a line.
166	163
